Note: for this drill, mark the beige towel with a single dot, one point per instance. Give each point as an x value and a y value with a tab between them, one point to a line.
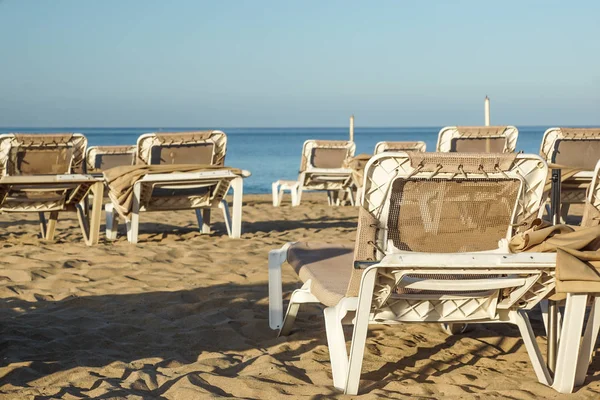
120	180
578	258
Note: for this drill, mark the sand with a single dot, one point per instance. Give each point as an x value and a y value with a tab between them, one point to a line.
183	316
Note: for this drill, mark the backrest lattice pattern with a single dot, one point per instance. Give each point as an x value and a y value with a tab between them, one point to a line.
478	139
449	216
325	154
573	147
201	147
399	146
59	153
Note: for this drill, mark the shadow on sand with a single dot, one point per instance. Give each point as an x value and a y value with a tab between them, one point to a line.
176	328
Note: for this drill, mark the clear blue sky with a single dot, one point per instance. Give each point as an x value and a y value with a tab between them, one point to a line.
298	63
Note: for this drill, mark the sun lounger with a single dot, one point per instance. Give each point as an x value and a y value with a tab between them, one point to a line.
477	139
321	168
431	247
575	152
175	171
357	164
399	146
577	275
43	173
101	158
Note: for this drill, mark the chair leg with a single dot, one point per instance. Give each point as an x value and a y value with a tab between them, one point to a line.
133	225
544	311
299	296
350	195
298	189
275	191
205	220
51	228
359	335
199	219
521	319
589	341
337	345
290	316
276	259
95	214
43	225
236	221
112	221
226	216
569	348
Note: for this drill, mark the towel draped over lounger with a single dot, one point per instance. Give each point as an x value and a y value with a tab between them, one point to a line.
120	180
578	255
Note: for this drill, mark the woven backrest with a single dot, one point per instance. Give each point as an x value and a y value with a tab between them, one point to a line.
198	147
41	154
399	146
101	158
328	154
445	202
572	147
451	216
477	139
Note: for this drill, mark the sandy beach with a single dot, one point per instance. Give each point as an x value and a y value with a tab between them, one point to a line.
184	316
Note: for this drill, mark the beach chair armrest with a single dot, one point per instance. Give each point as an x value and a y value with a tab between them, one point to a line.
188	176
471	261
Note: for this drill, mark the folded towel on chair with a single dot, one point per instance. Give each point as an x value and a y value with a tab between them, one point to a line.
120	180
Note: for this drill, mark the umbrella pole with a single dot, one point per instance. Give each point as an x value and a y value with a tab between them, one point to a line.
486	110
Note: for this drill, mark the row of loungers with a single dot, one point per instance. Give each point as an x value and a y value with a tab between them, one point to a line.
447	238
331	166
451	238
54	173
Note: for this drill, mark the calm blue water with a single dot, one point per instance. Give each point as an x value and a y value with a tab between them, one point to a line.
274	153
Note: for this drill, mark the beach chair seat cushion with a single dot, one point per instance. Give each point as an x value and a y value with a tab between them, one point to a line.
327	266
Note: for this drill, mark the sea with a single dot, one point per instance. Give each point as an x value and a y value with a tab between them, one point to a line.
274	153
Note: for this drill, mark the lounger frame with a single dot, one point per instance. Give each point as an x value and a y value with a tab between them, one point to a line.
580	181
218	181
450	133
312	178
529	278
70	191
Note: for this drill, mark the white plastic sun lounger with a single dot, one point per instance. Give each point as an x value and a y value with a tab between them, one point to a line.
101	158
431	247
477	139
200	191
42	173
572	148
321	169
